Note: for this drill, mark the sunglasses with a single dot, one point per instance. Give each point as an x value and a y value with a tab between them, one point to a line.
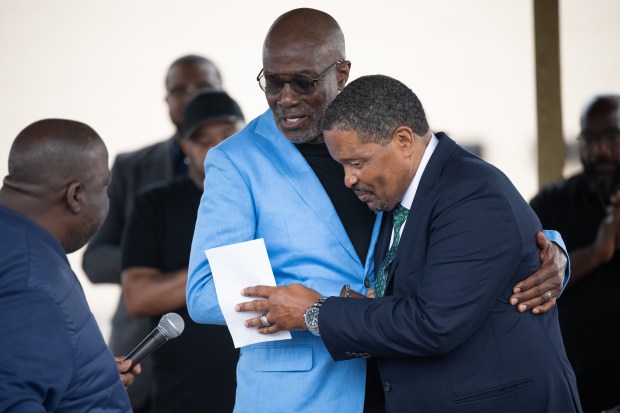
301	83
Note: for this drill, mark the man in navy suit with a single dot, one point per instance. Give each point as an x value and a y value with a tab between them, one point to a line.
441	326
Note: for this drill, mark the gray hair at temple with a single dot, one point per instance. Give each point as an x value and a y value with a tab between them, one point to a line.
374	107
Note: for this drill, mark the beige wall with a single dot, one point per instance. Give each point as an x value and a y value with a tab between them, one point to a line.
470	61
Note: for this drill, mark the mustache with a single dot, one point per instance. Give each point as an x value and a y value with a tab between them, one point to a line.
294	112
358	188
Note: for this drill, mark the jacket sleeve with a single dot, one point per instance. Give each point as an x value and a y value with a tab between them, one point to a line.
473	250
226	215
556	237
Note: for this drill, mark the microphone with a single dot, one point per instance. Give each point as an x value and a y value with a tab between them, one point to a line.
170	326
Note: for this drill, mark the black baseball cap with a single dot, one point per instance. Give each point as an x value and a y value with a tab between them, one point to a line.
209	106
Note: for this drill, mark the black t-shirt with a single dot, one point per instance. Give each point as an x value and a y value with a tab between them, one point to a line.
358	221
589	310
194	372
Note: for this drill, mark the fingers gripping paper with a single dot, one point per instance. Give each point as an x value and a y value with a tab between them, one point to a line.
235	267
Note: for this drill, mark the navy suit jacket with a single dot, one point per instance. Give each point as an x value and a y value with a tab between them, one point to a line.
446	338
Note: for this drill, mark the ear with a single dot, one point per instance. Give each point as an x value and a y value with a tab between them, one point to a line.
185	145
403	139
74	197
343	73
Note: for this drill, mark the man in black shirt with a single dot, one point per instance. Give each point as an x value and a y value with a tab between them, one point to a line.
132	172
195	372
586	210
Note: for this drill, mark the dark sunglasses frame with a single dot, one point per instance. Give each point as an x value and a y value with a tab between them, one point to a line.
272	84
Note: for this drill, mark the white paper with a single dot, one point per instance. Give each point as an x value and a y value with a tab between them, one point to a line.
234	268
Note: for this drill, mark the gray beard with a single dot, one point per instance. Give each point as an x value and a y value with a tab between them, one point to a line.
314	132
310	136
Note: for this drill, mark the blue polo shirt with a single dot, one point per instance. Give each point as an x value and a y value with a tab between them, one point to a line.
52	355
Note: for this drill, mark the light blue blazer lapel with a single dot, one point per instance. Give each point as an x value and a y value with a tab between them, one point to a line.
291	164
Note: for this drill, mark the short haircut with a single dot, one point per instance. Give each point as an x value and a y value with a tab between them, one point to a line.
374	107
52	152
191	59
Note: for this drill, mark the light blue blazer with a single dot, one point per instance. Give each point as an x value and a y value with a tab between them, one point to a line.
258	185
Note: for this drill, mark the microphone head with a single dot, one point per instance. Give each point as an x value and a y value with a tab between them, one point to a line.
171	325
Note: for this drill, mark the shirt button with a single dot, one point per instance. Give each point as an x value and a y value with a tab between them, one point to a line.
366	283
386	386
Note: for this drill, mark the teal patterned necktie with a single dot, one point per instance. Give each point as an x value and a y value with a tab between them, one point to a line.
400	215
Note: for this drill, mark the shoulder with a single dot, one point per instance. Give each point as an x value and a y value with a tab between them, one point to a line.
558	192
162	191
562	186
29	256
464	167
258	131
13	250
465	179
452	161
133	157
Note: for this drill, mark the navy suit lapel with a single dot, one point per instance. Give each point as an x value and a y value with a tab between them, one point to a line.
292	165
383	241
431	175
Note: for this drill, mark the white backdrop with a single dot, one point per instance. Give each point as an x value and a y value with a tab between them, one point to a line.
470	62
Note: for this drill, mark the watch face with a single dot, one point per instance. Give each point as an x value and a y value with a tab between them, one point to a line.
311	318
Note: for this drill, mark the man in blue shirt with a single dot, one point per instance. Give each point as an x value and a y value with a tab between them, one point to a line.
52	355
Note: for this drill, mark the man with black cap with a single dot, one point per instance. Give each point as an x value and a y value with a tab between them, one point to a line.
132	172
197	370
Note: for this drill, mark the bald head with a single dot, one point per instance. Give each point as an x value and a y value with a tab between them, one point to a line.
58	177
601	106
303	44
50	153
599	143
307	28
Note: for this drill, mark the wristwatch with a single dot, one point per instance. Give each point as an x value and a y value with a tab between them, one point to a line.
311	316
